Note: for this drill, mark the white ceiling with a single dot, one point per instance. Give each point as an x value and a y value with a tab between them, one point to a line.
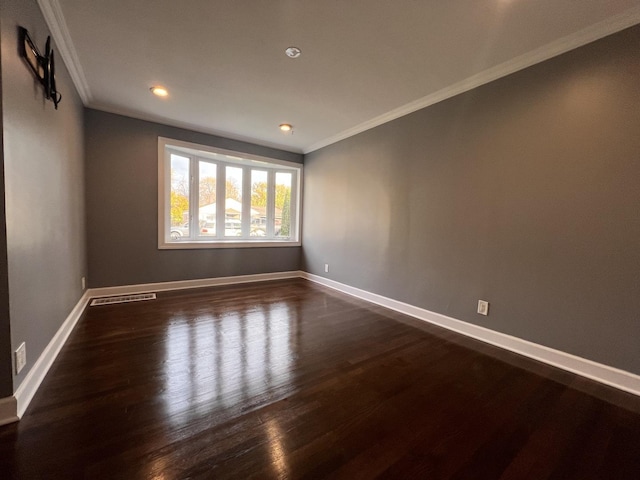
363	62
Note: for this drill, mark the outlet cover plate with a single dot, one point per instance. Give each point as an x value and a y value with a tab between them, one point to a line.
21	357
483	307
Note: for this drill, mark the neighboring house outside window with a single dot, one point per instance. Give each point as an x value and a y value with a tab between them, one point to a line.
256	199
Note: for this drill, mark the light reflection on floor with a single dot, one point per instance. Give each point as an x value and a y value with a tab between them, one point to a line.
218	360
276	448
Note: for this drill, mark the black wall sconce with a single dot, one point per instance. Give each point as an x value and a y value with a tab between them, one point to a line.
42	66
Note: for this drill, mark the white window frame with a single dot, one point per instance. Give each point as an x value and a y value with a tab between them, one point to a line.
222	158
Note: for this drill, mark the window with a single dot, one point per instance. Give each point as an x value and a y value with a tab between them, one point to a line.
214	198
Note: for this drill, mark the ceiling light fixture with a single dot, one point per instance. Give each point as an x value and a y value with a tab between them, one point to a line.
285	127
293	52
159	91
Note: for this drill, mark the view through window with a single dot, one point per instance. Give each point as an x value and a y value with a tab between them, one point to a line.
256	199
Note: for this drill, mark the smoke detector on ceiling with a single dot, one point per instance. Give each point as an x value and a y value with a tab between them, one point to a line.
293	52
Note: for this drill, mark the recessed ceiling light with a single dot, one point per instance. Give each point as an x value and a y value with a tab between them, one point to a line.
285	127
293	52
159	91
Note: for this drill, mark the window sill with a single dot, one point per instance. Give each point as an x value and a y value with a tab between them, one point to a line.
227	244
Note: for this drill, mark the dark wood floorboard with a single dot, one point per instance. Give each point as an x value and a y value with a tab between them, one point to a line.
288	379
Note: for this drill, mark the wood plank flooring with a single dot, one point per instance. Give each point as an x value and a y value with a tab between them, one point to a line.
288	379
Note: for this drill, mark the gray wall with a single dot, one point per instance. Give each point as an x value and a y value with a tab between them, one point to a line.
6	381
44	190
524	192
122	209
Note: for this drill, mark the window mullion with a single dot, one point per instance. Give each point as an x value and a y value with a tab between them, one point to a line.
167	194
271	203
221	204
194	179
293	207
245	218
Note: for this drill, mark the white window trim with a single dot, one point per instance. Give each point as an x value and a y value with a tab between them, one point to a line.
164	188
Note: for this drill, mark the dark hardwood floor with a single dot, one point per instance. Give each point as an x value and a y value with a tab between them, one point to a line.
288	379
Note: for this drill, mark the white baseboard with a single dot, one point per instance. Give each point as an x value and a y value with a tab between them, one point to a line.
27	389
12	408
184	284
8	410
613	377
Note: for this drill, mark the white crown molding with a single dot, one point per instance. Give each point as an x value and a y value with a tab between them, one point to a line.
590	34
54	17
599	372
55	20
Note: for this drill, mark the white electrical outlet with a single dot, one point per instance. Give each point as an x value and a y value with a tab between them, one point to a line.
21	357
84	283
483	307
326	268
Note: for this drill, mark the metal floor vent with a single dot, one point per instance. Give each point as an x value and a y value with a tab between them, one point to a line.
122	299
